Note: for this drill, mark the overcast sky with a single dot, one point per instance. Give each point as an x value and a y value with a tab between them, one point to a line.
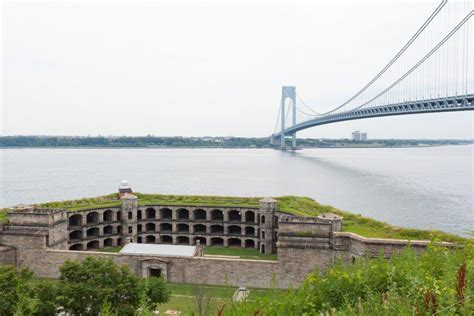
196	69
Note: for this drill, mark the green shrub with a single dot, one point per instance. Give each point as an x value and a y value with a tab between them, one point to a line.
439	279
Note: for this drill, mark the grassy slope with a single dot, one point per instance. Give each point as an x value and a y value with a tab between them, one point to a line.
291	204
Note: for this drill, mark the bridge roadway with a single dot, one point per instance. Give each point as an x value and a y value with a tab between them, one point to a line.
446	104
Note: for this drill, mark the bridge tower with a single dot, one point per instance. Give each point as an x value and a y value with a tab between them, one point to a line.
288	92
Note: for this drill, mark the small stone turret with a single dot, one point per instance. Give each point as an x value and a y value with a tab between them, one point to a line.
129	216
124	188
267	222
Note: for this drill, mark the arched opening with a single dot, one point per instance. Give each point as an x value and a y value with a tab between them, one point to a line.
216	241
202	240
76	247
182	240
108	242
183	214
150	227
249	243
75	220
139	240
139	228
139	214
262	219
107	216
108	230
119	216
119	241
182	228
249	231
166	239
130	215
119	229
75	235
165	227
217	229
235	230
249	217
234	242
150	213
93	232
150	239
262	247
94	244
199	229
166	213
93	218
199	215
235	216
217	215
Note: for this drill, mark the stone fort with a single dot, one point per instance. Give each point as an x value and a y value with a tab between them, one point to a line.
42	239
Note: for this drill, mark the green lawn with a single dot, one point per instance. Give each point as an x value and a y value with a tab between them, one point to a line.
302	206
243	253
219	291
111	249
187	305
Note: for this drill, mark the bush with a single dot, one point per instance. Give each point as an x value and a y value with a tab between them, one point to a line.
13	290
86	285
154	291
438	279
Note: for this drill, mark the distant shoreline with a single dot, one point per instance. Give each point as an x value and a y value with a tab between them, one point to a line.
208	142
210	147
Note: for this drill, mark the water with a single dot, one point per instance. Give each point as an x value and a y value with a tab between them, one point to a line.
410	187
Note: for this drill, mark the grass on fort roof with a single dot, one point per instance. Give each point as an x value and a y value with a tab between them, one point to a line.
296	205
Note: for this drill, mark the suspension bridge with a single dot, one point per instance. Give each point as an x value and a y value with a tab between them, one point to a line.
432	73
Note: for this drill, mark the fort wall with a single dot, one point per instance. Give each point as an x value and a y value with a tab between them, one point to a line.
42	239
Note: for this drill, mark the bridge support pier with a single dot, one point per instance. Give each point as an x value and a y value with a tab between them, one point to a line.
287	92
293	136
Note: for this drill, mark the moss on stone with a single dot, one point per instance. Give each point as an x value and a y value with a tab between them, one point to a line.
296	205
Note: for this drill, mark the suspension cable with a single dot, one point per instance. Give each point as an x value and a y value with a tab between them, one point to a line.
395	58
445	39
277	120
308	107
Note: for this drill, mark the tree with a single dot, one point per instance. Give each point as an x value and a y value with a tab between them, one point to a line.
154	291
203	299
45	294
13	290
86	285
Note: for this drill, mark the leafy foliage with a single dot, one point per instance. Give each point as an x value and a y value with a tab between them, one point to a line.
85	285
438	280
155	291
13	296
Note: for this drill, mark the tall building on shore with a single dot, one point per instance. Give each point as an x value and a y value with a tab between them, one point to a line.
358	136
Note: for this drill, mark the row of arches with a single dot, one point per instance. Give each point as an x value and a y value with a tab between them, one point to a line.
94	232
94	218
183	214
95	244
185	240
164	228
197	229
166	239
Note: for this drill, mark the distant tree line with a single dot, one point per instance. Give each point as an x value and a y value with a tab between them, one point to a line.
207	142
